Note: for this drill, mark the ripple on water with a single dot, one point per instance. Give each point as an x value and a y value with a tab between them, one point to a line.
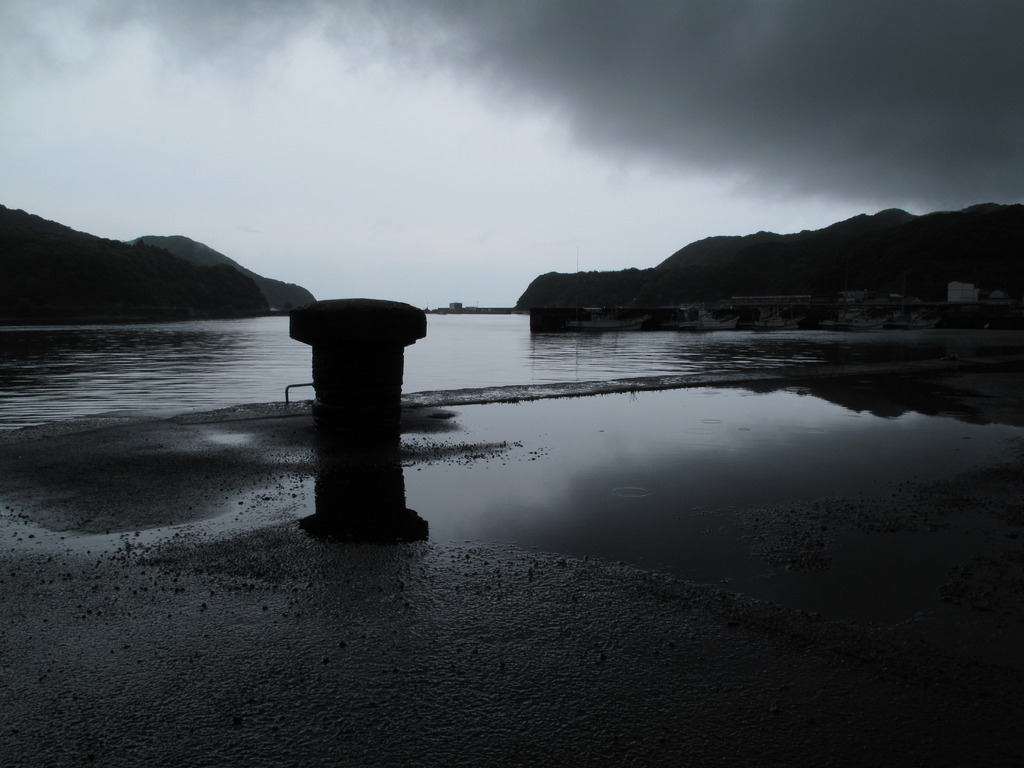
631	492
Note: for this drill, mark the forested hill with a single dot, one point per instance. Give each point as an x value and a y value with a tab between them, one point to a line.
279	295
890	252
48	270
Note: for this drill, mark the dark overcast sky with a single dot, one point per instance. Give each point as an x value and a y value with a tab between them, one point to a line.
921	98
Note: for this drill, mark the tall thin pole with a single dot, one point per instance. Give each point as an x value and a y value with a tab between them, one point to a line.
579	283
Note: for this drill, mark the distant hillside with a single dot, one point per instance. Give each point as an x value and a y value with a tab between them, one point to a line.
279	295
52	271
890	252
725	250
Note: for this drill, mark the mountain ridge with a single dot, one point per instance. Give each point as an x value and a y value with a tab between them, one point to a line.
49	270
729	244
279	294
891	251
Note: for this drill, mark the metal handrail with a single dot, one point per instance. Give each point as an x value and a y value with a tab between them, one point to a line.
290	386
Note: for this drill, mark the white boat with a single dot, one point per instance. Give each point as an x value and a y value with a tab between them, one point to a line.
911	321
701	320
606	322
774	321
854	320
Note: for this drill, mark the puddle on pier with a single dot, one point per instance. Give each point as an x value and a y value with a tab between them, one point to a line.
672	480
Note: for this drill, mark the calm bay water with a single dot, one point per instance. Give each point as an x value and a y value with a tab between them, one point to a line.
51	373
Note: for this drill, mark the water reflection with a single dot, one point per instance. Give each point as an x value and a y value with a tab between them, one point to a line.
360	497
687	460
887	397
581	357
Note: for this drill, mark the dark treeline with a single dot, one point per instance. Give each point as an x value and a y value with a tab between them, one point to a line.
279	295
48	270
890	252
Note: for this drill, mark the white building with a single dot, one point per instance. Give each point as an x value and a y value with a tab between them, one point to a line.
962	293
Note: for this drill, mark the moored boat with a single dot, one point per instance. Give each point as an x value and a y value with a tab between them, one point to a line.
769	320
606	321
853	320
911	321
699	319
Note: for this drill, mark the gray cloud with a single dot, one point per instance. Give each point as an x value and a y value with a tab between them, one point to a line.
914	102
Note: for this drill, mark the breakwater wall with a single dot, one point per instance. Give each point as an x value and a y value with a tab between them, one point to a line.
952	315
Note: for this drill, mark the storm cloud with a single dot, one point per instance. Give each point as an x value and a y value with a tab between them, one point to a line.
921	101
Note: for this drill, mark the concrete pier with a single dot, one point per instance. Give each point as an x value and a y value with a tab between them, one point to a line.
228	643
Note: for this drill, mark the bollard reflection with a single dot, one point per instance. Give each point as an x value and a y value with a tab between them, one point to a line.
361	498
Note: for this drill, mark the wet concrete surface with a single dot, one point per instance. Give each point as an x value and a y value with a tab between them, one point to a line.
260	645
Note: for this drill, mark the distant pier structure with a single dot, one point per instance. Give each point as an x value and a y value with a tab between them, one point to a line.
964	307
801	300
458	308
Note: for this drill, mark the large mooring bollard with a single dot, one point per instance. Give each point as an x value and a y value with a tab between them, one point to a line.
358	362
